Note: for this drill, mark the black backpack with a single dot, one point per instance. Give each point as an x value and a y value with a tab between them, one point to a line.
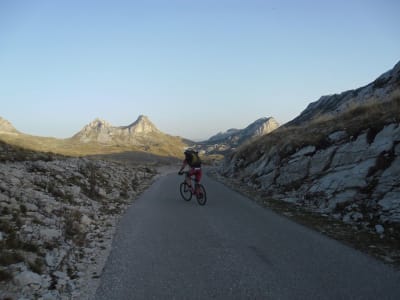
193	159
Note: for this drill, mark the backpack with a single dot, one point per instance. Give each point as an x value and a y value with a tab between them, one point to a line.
193	159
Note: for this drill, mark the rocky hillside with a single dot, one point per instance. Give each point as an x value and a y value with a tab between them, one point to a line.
57	218
224	142
100	137
345	167
384	88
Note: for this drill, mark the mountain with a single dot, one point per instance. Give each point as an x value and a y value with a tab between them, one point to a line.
100	137
6	126
223	135
232	138
103	132
383	88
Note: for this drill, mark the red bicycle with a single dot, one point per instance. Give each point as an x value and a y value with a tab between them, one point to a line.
190	187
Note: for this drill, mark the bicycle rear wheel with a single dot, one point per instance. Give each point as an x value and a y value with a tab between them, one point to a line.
202	196
186	192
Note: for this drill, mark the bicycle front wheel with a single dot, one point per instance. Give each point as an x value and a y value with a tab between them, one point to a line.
186	192
202	196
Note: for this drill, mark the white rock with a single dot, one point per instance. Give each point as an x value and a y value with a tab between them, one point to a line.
85	220
304	151
27	278
379	229
337	136
390	202
49	234
31	207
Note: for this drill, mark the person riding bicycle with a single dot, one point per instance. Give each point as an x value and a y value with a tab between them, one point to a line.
192	159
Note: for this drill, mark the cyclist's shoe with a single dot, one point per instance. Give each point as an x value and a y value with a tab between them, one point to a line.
180	173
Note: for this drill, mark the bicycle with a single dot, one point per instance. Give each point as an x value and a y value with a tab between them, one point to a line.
189	187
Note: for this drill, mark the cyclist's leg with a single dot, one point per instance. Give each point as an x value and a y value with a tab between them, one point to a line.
198	175
189	177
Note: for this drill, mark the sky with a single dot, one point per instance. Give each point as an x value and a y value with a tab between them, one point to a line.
194	67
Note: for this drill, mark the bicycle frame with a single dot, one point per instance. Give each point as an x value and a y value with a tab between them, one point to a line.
190	185
191	182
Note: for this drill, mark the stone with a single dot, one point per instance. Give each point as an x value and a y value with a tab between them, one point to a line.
320	161
379	229
308	150
337	136
350	153
50	234
28	278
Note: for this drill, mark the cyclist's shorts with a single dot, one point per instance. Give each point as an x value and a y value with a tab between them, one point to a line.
197	173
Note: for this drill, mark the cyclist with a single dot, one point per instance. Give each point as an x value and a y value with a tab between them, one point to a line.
192	159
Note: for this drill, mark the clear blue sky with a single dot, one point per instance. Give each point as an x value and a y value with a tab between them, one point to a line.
194	67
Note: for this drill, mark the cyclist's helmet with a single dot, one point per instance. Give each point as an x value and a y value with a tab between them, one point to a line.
188	150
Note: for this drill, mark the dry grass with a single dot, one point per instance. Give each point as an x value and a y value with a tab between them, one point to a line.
161	145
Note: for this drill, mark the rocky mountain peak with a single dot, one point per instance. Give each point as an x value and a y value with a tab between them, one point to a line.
98	124
142	125
232	138
103	132
262	126
6	126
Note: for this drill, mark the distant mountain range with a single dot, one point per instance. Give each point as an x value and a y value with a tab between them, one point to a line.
232	138
100	137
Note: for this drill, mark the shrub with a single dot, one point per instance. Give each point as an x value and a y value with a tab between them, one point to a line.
23	209
36	266
9	257
72	229
5	276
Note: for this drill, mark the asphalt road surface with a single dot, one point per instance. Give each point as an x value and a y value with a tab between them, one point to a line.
167	248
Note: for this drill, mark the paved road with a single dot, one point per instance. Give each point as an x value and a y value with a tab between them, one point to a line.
166	248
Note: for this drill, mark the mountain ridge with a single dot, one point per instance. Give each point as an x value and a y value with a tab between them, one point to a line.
381	89
101	137
104	132
229	140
